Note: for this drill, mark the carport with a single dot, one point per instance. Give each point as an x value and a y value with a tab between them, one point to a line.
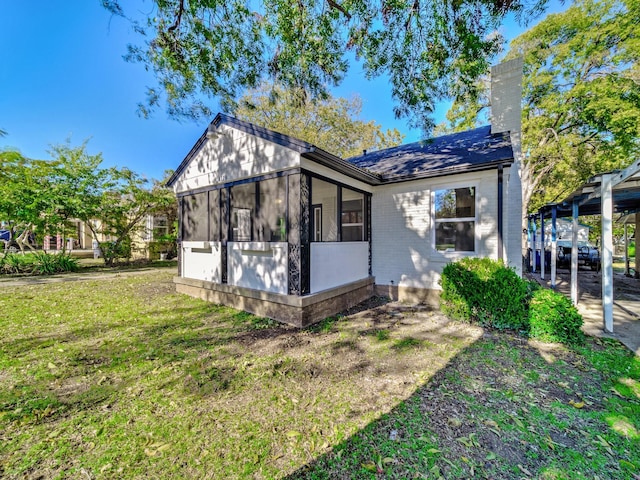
607	194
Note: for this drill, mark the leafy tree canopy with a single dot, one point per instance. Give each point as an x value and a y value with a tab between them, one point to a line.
43	196
217	48
331	124
581	97
24	184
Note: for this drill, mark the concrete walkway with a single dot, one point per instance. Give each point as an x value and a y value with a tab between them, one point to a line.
626	305
74	277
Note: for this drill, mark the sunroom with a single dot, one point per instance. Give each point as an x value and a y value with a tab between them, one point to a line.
289	241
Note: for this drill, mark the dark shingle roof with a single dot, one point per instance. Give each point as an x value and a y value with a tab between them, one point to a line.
464	151
460	152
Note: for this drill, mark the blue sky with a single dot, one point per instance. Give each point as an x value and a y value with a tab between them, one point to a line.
62	76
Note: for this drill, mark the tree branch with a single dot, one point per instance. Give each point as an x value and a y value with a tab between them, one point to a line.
340	8
176	24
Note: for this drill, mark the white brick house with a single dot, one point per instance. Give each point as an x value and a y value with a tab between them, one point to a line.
273	225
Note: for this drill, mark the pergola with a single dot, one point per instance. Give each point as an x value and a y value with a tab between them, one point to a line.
605	194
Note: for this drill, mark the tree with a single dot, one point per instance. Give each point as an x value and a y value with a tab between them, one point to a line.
77	183
46	195
331	124
23	194
122	209
217	48
581	89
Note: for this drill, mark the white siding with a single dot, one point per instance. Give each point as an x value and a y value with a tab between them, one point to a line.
337	263
403	251
202	261
234	155
259	265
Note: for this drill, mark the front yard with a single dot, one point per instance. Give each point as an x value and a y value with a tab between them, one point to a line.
124	378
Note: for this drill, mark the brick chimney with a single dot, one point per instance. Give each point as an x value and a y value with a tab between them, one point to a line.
506	117
506	96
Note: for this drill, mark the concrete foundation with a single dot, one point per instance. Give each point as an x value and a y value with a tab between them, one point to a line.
291	309
425	296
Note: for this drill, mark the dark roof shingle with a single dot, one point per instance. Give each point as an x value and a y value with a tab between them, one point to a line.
468	150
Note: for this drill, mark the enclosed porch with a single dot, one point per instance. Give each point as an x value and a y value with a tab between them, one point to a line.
292	245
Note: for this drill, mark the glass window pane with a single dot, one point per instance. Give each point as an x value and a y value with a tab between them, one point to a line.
160	227
324	198
455	236
455	203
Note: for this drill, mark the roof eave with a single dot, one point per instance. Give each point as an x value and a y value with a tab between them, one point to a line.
446	171
342	166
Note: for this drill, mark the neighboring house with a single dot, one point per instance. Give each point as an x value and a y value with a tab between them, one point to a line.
276	226
151	228
155	239
80	239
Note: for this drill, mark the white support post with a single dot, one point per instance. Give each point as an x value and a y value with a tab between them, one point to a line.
574	254
554	245
636	235
607	253
530	244
533	249
626	250
542	262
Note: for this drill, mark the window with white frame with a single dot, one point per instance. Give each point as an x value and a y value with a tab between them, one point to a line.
156	227
455	219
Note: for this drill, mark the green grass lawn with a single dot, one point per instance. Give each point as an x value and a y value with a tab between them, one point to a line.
124	378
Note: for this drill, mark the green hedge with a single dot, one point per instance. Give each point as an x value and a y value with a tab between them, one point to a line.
552	318
168	247
485	291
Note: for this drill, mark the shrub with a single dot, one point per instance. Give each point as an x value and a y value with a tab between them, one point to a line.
114	250
158	247
552	318
485	291
13	263
37	263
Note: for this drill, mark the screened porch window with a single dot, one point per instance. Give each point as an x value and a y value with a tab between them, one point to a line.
272	211
259	210
195	217
455	219
352	216
243	207
324	202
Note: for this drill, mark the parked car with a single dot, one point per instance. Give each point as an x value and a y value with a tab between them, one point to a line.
12	246
588	255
